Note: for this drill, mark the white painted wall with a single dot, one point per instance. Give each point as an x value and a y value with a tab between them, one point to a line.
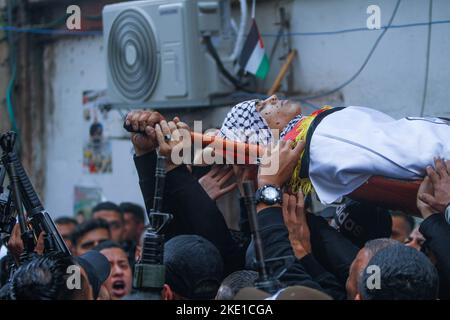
394	78
392	81
79	65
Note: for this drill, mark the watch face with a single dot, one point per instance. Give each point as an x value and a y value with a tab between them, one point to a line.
270	193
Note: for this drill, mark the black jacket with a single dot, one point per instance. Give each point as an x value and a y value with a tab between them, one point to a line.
331	248
306	271
193	210
437	234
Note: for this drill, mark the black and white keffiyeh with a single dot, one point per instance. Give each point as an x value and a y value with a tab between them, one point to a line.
244	124
291	125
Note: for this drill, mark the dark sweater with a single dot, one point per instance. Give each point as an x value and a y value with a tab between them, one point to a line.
437	234
306	271
193	210
331	248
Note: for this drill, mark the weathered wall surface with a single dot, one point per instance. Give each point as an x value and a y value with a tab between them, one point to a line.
4	77
74	66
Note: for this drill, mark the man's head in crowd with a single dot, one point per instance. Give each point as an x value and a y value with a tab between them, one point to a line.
120	279
111	213
66	226
134	221
89	234
80	217
53	276
138	248
415	239
402	226
236	281
194	268
361	261
404	274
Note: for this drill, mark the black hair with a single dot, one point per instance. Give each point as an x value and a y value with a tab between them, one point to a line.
94	128
88	226
373	246
405	274
234	282
136	210
43	278
409	220
194	267
107	205
108	244
66	220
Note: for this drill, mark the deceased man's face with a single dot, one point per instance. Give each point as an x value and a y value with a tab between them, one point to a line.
278	113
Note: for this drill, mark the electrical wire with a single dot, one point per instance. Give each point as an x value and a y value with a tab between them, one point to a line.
46	30
327	33
364	63
212	51
51	31
427	67
240	38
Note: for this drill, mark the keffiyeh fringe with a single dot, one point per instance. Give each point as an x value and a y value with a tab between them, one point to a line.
298	183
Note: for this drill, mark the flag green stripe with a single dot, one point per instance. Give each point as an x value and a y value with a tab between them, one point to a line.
263	68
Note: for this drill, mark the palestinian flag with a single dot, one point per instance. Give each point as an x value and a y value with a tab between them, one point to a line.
253	57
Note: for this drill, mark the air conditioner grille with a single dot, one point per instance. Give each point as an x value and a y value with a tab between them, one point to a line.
133	55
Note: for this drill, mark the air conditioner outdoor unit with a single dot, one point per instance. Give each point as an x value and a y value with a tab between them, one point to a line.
156	54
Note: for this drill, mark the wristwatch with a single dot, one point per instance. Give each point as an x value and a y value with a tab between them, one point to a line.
269	194
447	214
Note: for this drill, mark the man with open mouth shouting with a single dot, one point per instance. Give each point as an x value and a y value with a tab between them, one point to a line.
120	278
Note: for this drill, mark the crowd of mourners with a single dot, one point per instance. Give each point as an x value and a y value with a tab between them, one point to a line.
354	251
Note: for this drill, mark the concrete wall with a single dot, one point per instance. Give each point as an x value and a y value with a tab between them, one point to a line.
392	81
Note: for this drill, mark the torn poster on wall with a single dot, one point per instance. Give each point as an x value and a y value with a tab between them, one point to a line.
97	149
85	198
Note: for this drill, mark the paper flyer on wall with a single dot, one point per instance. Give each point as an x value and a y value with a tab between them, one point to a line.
97	149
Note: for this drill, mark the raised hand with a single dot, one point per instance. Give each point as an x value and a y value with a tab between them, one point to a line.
286	156
143	121
437	195
216	181
172	137
295	221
